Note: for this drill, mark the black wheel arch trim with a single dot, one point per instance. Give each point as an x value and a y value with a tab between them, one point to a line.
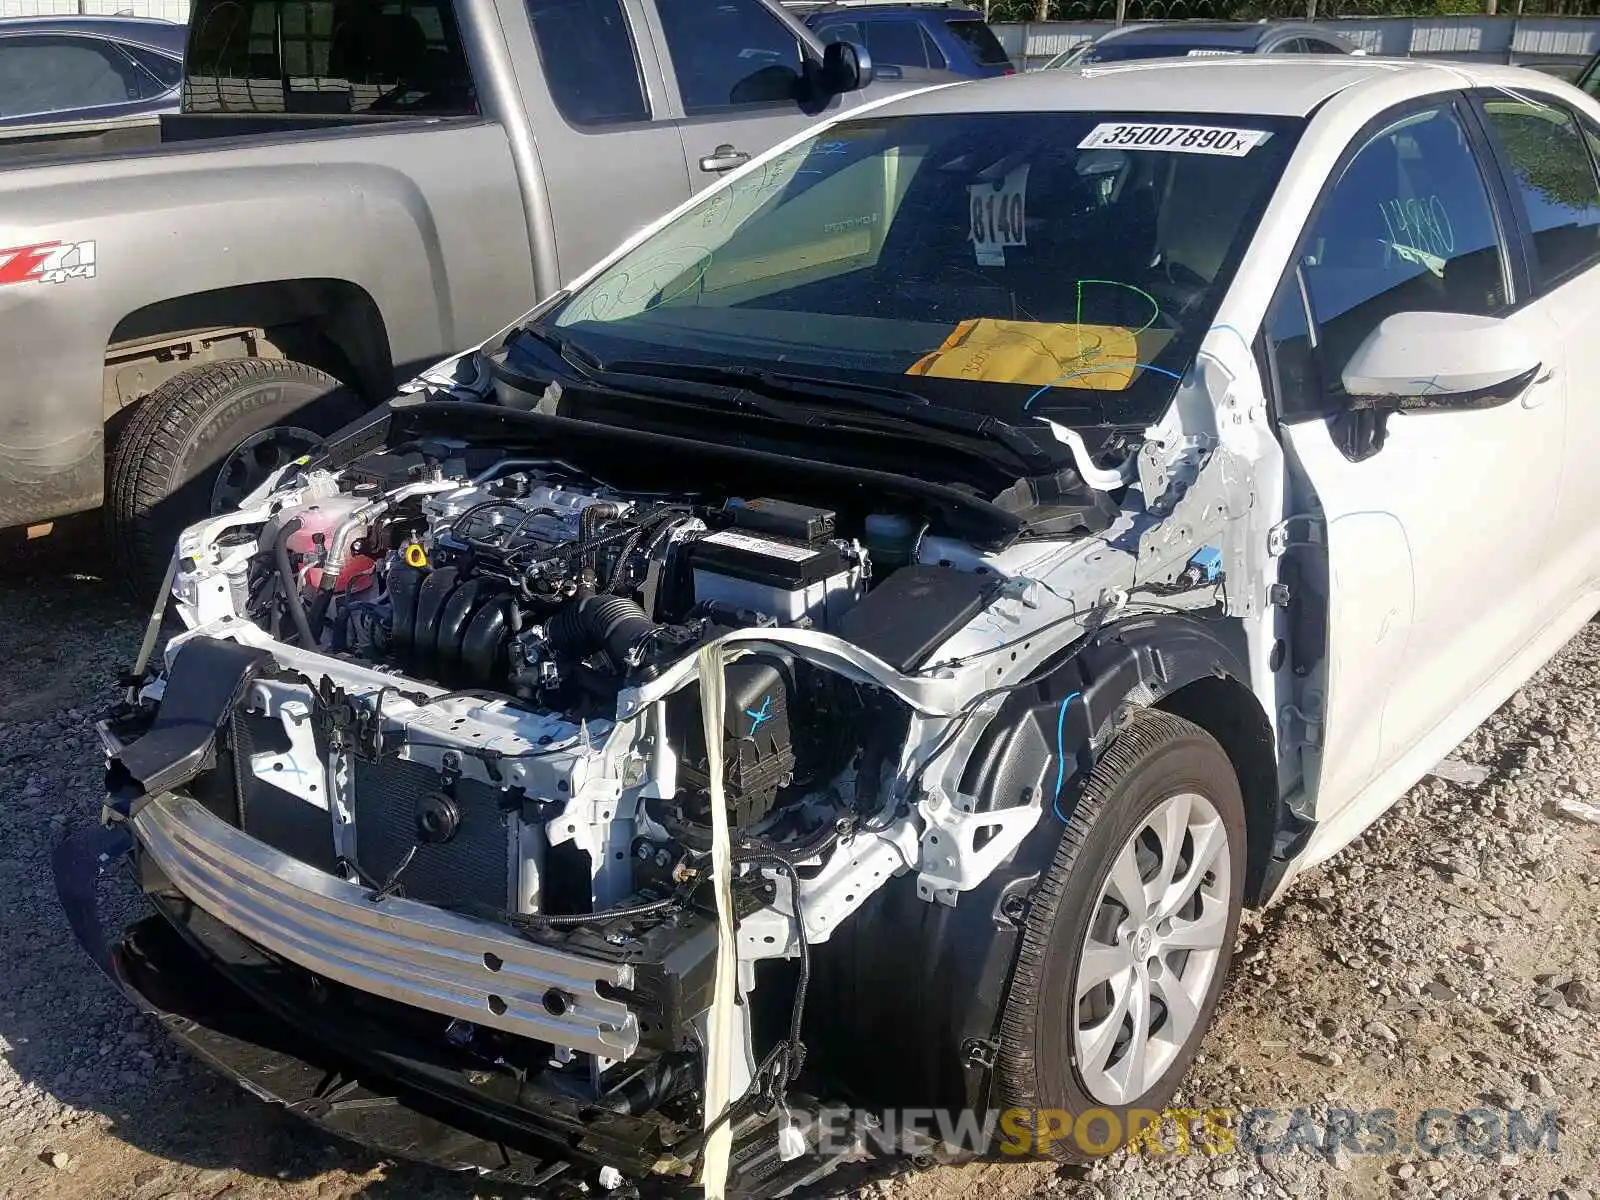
932	979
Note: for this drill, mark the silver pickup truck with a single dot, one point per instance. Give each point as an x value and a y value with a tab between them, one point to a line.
352	190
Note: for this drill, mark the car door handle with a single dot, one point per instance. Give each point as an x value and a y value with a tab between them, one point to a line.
724	158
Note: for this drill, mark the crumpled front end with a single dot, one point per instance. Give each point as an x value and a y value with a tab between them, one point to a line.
431	790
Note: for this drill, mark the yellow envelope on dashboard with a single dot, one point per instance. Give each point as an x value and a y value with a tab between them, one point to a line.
988	350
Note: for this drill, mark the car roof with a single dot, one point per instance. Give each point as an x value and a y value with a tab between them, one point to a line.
165	36
1271	85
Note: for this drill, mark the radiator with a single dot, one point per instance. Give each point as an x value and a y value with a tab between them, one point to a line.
472	868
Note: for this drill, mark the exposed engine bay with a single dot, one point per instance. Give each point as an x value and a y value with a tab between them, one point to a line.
545	594
434	738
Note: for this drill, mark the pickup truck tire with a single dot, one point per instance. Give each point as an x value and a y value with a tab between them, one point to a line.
1163	798
247	414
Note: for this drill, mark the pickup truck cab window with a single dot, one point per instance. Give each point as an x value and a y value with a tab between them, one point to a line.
730	54
1550	165
1407	227
48	74
307	56
590	60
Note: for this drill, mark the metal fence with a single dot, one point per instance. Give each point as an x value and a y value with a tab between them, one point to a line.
168	10
1547	43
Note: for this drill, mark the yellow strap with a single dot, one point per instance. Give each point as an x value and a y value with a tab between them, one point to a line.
722	1026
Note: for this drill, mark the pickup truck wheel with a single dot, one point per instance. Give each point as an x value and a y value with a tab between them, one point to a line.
1128	940
204	440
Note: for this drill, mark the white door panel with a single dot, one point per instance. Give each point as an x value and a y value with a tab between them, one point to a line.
1549	151
1439	532
1575	309
1438	574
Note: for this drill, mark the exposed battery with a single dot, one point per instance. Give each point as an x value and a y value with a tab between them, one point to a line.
781	577
794	522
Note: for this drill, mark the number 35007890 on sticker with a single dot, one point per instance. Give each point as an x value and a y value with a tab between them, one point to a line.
1181	139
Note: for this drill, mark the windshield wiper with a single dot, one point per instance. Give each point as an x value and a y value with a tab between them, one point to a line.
565	348
904	408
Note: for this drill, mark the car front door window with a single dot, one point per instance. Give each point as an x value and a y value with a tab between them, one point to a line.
1408	227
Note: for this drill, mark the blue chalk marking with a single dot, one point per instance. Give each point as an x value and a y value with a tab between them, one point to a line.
758	719
1061	753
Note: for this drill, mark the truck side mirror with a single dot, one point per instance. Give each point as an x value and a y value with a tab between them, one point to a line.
846	67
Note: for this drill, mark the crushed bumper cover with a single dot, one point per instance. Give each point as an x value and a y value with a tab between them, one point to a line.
358	1075
162	972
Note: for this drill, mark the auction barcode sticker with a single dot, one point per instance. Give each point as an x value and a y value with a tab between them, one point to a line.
741	541
1184	139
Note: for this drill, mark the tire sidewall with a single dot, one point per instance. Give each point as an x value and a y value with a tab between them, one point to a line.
164	467
254	406
1192	764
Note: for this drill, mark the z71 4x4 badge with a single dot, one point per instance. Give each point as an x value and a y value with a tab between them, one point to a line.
47	262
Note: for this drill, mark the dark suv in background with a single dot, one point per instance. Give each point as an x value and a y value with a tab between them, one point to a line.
913	39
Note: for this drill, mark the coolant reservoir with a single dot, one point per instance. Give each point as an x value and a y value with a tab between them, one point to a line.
319	523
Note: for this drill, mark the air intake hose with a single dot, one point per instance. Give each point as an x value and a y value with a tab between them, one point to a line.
614	624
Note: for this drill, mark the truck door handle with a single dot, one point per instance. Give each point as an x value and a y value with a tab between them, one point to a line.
724	158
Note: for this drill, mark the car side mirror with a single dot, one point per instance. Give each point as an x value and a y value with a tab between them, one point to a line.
1439	361
846	67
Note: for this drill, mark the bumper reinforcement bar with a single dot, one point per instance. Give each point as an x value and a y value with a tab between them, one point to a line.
397	948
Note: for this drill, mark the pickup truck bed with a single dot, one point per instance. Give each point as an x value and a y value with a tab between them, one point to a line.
344	218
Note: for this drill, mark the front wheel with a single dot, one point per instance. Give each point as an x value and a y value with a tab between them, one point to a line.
201	442
1128	939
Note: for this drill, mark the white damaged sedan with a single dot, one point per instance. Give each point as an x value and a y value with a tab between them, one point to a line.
862	645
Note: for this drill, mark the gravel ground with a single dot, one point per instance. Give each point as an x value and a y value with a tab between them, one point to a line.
1448	959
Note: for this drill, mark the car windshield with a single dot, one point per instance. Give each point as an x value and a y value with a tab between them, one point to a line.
1003	263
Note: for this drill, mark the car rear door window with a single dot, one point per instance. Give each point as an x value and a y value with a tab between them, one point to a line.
167	71
730	54
896	43
590	61
55	74
1408	227
1550	165
986	48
